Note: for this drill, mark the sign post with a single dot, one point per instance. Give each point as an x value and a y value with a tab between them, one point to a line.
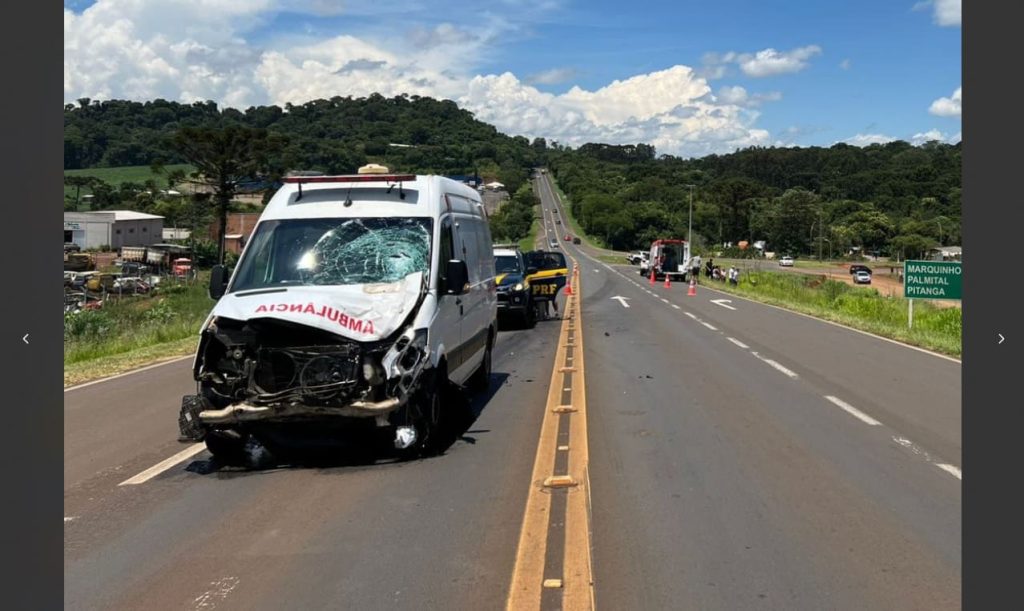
931	280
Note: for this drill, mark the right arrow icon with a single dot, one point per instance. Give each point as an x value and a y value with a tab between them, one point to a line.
1001	338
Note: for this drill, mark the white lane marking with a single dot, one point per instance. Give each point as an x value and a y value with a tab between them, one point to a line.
597	271
853	411
722	303
910	445
164	465
621	300
739	343
218	591
128	373
906	443
690	315
789	372
567	389
665	300
708	325
676	307
69	518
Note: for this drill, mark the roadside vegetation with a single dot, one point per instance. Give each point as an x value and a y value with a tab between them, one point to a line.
136	324
529	242
935	328
574	225
893	199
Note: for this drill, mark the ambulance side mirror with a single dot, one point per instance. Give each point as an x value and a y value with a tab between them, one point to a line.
218	281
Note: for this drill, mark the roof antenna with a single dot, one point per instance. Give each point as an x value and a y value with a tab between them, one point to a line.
300	191
348	197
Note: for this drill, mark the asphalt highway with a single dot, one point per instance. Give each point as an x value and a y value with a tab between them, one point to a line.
740	457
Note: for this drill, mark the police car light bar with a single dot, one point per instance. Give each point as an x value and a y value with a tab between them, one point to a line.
350	178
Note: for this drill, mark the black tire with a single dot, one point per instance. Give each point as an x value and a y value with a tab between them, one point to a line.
227	446
423	412
480	381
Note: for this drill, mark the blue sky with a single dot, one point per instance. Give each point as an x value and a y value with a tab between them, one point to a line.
695	77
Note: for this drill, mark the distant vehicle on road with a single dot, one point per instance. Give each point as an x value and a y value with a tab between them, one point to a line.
859	268
637	256
513	286
668	257
554	243
786	262
862	278
568	238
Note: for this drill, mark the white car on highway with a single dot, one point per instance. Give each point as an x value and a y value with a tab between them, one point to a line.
786	262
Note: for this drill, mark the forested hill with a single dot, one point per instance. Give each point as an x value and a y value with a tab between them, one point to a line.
334	136
893	198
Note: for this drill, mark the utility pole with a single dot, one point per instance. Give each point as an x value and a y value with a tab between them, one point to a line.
821	228
689	231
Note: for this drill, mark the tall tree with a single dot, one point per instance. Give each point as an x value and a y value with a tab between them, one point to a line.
223	158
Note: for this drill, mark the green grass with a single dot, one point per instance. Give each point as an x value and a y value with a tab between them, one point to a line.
938	329
131	173
593	242
529	242
612	259
85	371
115	176
133	324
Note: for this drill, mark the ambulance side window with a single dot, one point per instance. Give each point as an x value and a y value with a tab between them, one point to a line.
446	250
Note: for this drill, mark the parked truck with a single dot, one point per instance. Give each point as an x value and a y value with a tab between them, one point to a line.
668	257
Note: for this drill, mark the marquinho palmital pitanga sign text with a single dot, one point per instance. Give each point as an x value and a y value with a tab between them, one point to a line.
932	279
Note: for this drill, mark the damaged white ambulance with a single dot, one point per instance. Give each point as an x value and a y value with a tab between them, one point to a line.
357	304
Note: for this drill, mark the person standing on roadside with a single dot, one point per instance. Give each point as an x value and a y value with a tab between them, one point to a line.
695	268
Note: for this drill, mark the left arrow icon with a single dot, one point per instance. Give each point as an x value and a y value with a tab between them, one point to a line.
25	339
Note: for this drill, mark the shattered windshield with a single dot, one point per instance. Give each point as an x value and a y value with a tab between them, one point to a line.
324	252
506	264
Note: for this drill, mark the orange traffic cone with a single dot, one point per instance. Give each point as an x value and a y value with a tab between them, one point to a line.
652	277
668	284
693	288
568	285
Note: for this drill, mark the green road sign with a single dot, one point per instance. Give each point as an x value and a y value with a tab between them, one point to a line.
932	279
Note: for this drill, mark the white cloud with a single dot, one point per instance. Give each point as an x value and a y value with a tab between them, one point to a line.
934	134
767	62
948	107
945	12
190	50
553	76
738	95
867	139
670	109
845	64
770	62
733	95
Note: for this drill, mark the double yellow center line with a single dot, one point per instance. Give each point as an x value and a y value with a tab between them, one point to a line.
553	561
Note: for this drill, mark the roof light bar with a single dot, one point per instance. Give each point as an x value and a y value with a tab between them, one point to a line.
352	178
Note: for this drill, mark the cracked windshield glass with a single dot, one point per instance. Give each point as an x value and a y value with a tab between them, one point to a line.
320	252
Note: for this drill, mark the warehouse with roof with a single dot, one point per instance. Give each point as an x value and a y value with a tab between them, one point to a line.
112	228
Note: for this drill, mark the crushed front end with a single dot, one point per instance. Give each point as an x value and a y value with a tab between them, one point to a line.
264	375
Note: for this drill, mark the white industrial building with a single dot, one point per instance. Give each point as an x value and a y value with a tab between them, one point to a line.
112	228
